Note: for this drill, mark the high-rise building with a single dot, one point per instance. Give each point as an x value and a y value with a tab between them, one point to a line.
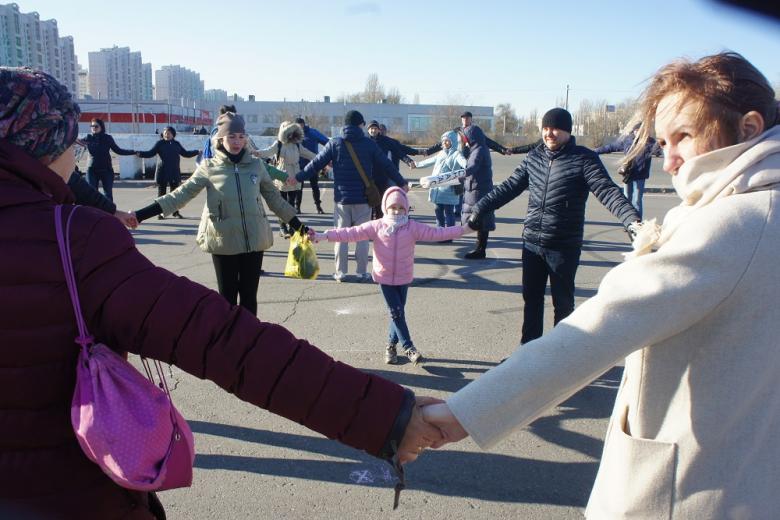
26	41
215	95
117	73
177	84
83	82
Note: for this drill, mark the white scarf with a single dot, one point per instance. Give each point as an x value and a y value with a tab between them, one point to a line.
393	223
745	167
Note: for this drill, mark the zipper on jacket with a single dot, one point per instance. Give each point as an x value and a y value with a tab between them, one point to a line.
395	253
241	208
544	201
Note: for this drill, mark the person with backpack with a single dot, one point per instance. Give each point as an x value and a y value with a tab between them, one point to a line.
357	161
286	153
131	305
168	171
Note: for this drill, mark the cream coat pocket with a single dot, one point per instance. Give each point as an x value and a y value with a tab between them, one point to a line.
636	476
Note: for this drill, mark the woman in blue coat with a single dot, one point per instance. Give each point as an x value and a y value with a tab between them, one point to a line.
168	171
477	182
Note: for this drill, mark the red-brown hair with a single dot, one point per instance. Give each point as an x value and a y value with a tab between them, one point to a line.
724	86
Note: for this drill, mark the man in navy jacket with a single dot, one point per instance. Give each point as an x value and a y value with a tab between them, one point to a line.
559	177
351	206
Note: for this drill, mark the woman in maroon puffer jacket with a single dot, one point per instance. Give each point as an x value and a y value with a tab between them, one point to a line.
43	472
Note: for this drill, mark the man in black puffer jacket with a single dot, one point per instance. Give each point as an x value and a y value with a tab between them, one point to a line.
559	175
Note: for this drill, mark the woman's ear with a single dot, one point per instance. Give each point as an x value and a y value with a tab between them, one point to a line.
750	125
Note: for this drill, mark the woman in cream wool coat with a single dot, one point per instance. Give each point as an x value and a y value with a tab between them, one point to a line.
287	153
696	424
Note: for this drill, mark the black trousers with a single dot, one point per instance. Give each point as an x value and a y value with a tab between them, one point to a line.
560	267
161	188
238	276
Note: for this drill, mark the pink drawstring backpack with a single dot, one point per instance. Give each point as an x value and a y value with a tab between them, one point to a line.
124	423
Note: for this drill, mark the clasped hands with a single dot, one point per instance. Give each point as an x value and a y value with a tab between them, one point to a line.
432	425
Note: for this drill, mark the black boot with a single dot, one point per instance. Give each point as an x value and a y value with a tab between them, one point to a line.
479	252
319	208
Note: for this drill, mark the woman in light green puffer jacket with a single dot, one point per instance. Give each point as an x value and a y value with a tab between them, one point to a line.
234	226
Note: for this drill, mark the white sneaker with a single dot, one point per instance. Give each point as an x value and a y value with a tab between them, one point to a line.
339	277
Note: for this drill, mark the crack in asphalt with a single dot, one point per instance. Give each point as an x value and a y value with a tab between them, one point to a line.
295	304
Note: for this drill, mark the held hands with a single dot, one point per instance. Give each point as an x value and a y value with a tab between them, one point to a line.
419	434
317	237
440	416
473	222
468	229
126	218
291	180
633	229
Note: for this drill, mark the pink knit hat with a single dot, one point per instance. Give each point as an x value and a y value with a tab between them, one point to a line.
395	195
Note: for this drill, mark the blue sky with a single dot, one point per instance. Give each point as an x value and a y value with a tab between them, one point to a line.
485	53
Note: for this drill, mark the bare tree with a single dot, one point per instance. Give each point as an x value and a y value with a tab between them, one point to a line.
373	92
506	118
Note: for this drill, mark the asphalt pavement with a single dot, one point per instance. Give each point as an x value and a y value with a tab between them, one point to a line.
464	316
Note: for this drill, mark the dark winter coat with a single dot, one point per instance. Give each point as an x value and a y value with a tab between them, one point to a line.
99	145
132	305
168	169
348	186
491	144
558	185
86	195
312	138
478	178
395	151
640	167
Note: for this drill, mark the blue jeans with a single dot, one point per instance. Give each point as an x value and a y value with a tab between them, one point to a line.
445	215
395	298
106	177
634	191
539	264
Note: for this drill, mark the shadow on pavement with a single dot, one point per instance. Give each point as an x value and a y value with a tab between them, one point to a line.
494	477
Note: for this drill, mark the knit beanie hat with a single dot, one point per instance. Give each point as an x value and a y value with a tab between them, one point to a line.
354	118
37	113
373	122
557	118
230	123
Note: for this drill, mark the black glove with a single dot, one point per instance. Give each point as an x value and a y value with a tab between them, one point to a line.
473	222
297	225
633	229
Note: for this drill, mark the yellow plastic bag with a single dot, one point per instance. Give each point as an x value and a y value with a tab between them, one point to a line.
302	258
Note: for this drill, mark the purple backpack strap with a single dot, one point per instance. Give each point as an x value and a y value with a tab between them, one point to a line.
63	240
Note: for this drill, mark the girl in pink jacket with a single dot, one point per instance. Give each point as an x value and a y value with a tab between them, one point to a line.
394	237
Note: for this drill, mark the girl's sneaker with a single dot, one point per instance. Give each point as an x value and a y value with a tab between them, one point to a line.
391	356
413	354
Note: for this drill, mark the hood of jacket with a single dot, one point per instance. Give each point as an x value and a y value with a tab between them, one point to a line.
290	133
397	195
452	135
475	136
352	133
18	169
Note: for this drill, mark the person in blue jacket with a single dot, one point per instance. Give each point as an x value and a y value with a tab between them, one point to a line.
312	138
99	144
634	173
351	207
168	171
